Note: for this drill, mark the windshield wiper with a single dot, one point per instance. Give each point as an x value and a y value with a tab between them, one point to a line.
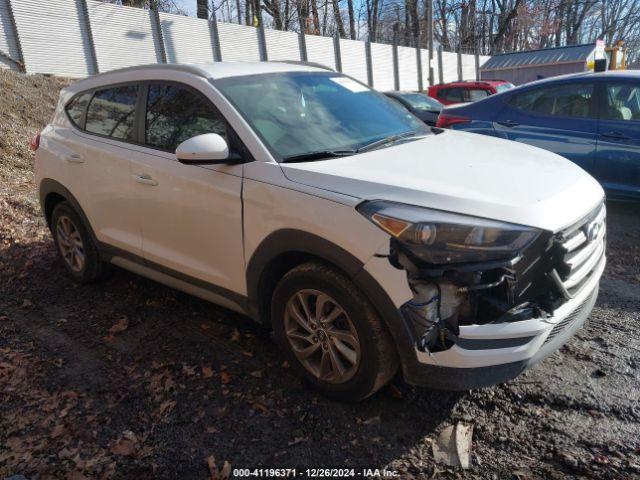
387	140
319	155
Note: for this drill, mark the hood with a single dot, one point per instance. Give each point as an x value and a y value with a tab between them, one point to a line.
464	173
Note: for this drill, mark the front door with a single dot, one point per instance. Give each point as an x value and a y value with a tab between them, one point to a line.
560	118
618	157
190	215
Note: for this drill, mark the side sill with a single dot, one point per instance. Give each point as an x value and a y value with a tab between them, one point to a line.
174	279
178	284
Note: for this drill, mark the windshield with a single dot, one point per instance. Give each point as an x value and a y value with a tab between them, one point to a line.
300	113
420	101
504	87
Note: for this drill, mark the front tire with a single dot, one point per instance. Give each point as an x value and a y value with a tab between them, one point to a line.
75	245
331	333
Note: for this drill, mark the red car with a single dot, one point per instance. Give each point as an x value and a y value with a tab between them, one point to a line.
467	90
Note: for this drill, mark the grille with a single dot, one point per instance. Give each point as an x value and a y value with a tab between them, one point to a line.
568	320
582	247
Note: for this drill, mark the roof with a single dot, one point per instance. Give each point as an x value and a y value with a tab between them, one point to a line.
544	56
214	70
466	83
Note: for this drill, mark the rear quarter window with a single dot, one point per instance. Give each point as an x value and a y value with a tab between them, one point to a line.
77	108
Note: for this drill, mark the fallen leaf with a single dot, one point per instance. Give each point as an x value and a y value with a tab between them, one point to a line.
235	336
216	474
259	406
189	371
225	377
204	326
120	326
57	431
166	407
212	430
124	447
246	354
207	372
257	374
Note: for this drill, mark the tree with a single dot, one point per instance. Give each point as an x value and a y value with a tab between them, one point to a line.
202	9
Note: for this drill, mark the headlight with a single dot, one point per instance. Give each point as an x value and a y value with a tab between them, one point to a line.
438	237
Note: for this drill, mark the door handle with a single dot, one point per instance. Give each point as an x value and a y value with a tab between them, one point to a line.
74	158
145	179
615	136
508	123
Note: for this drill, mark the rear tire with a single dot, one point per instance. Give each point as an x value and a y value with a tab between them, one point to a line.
75	245
331	333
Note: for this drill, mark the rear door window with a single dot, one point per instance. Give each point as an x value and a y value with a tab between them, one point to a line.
112	112
175	114
568	100
453	94
622	102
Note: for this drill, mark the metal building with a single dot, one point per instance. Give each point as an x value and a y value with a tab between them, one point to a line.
530	65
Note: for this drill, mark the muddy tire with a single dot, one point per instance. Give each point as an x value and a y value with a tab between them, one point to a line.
77	250
331	333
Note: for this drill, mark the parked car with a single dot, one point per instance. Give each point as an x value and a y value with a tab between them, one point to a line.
593	119
422	106
467	91
302	198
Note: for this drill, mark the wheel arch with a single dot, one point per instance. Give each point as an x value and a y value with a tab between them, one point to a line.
285	249
53	192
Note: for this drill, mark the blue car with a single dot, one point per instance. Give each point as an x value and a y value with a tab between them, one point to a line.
593	119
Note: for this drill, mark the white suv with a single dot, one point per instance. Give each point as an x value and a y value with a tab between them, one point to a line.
317	206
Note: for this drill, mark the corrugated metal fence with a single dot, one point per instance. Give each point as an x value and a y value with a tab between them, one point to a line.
77	38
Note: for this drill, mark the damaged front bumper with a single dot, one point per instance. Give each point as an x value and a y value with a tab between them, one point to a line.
474	354
489	354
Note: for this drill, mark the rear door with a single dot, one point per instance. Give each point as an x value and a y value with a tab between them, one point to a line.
101	159
557	117
618	151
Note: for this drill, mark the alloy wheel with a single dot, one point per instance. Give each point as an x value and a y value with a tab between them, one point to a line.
322	336
70	243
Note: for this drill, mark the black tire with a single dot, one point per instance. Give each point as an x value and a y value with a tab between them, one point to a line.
378	359
92	268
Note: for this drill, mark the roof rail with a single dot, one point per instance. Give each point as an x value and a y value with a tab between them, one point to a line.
306	64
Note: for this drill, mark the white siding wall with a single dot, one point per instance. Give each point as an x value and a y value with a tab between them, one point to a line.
468	67
382	62
449	66
320	50
53	41
123	36
186	39
408	68
282	45
238	42
7	37
354	59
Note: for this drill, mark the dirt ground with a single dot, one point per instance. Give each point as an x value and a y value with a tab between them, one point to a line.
130	379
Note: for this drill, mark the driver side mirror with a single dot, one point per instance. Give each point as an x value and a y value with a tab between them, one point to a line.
208	148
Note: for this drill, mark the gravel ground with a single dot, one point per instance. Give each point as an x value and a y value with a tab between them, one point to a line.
130	379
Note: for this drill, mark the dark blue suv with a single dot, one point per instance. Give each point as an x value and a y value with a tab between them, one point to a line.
593	119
